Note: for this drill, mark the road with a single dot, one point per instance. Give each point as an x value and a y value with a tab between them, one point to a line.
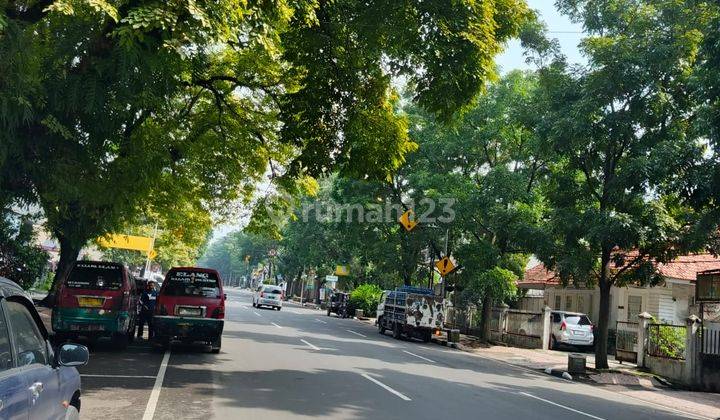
299	363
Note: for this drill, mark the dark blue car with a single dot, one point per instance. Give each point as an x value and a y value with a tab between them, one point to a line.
36	380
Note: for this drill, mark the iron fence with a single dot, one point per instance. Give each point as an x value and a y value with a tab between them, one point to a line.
667	341
626	341
710	340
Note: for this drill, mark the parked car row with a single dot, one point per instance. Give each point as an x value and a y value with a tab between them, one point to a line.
101	299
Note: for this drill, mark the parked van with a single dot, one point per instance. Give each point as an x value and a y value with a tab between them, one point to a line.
97	299
190	308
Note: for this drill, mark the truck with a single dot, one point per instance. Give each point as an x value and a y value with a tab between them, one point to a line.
413	312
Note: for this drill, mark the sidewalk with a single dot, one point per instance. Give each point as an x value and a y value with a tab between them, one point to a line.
623	378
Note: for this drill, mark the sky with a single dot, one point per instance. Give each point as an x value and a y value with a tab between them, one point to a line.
567	33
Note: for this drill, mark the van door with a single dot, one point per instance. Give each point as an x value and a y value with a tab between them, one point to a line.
13	385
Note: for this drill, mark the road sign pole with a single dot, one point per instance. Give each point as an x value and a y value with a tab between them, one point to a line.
442	281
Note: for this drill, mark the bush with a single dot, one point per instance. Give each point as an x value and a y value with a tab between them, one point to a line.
365	297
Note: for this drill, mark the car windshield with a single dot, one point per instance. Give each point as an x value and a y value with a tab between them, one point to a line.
192	283
577	320
95	276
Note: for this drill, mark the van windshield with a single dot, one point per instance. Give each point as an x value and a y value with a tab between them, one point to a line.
192	283
95	276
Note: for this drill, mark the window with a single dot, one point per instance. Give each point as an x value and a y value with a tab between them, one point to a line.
6	361
95	276
568	303
192	283
634	307
556	318
29	341
558	302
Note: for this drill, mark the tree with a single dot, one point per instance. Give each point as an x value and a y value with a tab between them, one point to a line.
113	107
20	260
620	130
489	164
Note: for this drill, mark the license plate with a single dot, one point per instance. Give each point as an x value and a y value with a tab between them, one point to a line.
189	312
580	333
87	327
90	302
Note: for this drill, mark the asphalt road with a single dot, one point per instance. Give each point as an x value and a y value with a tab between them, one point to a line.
299	363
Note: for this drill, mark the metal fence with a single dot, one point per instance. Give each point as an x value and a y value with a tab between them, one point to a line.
710	340
667	341
626	341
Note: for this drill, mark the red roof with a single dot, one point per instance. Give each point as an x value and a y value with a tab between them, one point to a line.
684	267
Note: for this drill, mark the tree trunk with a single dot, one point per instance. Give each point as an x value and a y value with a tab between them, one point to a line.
485	319
601	335
68	255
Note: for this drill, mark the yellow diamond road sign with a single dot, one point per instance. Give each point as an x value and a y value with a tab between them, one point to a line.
408	220
445	266
152	254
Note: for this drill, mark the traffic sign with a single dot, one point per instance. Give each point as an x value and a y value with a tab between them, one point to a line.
331	279
152	254
445	266
407	220
342	270
137	243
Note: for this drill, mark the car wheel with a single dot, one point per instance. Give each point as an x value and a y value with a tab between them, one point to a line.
426	336
120	340
328	311
72	413
381	327
160	343
278	308
254	306
553	343
215	346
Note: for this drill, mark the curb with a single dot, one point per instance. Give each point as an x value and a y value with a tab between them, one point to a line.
559	374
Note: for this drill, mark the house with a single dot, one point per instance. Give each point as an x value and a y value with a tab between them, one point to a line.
671	301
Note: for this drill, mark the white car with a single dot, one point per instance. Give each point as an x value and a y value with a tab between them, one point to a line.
571	328
268	295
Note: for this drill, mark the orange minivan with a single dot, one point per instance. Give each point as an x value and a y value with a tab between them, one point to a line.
190	308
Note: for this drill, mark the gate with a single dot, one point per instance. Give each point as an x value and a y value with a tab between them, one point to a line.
626	341
710	357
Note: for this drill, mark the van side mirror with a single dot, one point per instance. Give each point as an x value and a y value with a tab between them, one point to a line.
73	355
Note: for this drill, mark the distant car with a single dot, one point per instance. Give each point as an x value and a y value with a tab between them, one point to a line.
190	307
36	382
268	295
97	299
571	328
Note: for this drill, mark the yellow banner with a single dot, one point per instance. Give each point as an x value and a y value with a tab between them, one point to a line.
138	243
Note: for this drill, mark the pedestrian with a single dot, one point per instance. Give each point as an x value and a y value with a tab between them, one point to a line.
147	307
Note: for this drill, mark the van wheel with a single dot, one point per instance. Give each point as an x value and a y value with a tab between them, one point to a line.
396	331
120	340
426	336
215	346
160	343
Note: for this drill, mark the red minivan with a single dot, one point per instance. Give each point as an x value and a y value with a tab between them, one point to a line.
97	299
190	308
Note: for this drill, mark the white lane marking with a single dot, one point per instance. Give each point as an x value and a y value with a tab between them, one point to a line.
310	345
562	406
276	325
356	333
387	388
155	393
418	356
256	313
91	375
320	320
